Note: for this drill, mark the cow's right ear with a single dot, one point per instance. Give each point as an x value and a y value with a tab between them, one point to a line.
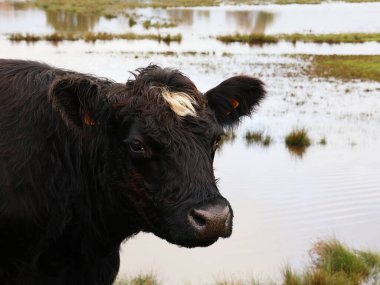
79	101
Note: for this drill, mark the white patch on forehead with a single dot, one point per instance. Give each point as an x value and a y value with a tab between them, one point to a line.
181	103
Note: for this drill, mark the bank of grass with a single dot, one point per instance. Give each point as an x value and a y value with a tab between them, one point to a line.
313	38
331	263
93	37
142	279
332	38
252	39
345	67
114	7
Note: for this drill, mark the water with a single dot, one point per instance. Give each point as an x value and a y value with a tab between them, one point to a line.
282	202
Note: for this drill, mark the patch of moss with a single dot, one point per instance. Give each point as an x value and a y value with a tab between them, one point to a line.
346	67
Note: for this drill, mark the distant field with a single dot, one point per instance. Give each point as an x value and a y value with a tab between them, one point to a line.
314	38
113	7
346	67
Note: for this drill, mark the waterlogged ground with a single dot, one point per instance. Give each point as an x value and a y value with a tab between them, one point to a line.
283	202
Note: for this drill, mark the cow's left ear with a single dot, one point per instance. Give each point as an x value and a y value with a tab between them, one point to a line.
235	97
79	101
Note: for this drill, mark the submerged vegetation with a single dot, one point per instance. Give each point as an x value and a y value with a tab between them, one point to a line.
331	263
298	138
297	142
314	38
257	137
227	137
92	37
346	67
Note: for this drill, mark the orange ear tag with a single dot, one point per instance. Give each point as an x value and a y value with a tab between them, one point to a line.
235	104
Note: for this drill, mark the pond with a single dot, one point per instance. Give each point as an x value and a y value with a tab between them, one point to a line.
283	201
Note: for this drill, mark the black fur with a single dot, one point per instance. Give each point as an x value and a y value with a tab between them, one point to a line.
247	91
86	163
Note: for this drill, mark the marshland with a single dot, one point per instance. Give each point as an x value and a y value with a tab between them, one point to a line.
301	174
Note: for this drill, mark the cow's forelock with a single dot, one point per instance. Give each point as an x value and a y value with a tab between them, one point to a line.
179	102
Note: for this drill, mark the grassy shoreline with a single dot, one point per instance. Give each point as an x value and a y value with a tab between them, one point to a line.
331	263
259	39
114	7
92	37
344	67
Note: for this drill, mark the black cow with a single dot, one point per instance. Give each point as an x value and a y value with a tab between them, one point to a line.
86	163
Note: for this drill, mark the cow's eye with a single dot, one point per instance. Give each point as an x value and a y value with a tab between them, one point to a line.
137	147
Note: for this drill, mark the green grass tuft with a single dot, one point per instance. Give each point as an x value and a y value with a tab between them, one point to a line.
323	141
255	137
227	137
142	279
298	138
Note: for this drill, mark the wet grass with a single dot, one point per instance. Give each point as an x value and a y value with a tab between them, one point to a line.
93	37
323	141
331	263
252	39
253	136
332	38
297	138
157	25
142	279
345	67
227	137
313	38
257	137
114	7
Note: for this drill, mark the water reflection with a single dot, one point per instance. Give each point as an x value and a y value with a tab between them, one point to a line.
63	21
247	21
297	151
185	17
251	22
13	6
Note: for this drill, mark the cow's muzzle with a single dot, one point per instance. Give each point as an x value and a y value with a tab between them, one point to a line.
211	220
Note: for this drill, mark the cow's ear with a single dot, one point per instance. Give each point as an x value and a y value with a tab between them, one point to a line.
235	97
79	101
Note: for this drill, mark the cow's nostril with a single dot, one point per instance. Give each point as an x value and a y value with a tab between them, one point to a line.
198	218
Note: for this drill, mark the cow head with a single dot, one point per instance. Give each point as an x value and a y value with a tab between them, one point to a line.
159	137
